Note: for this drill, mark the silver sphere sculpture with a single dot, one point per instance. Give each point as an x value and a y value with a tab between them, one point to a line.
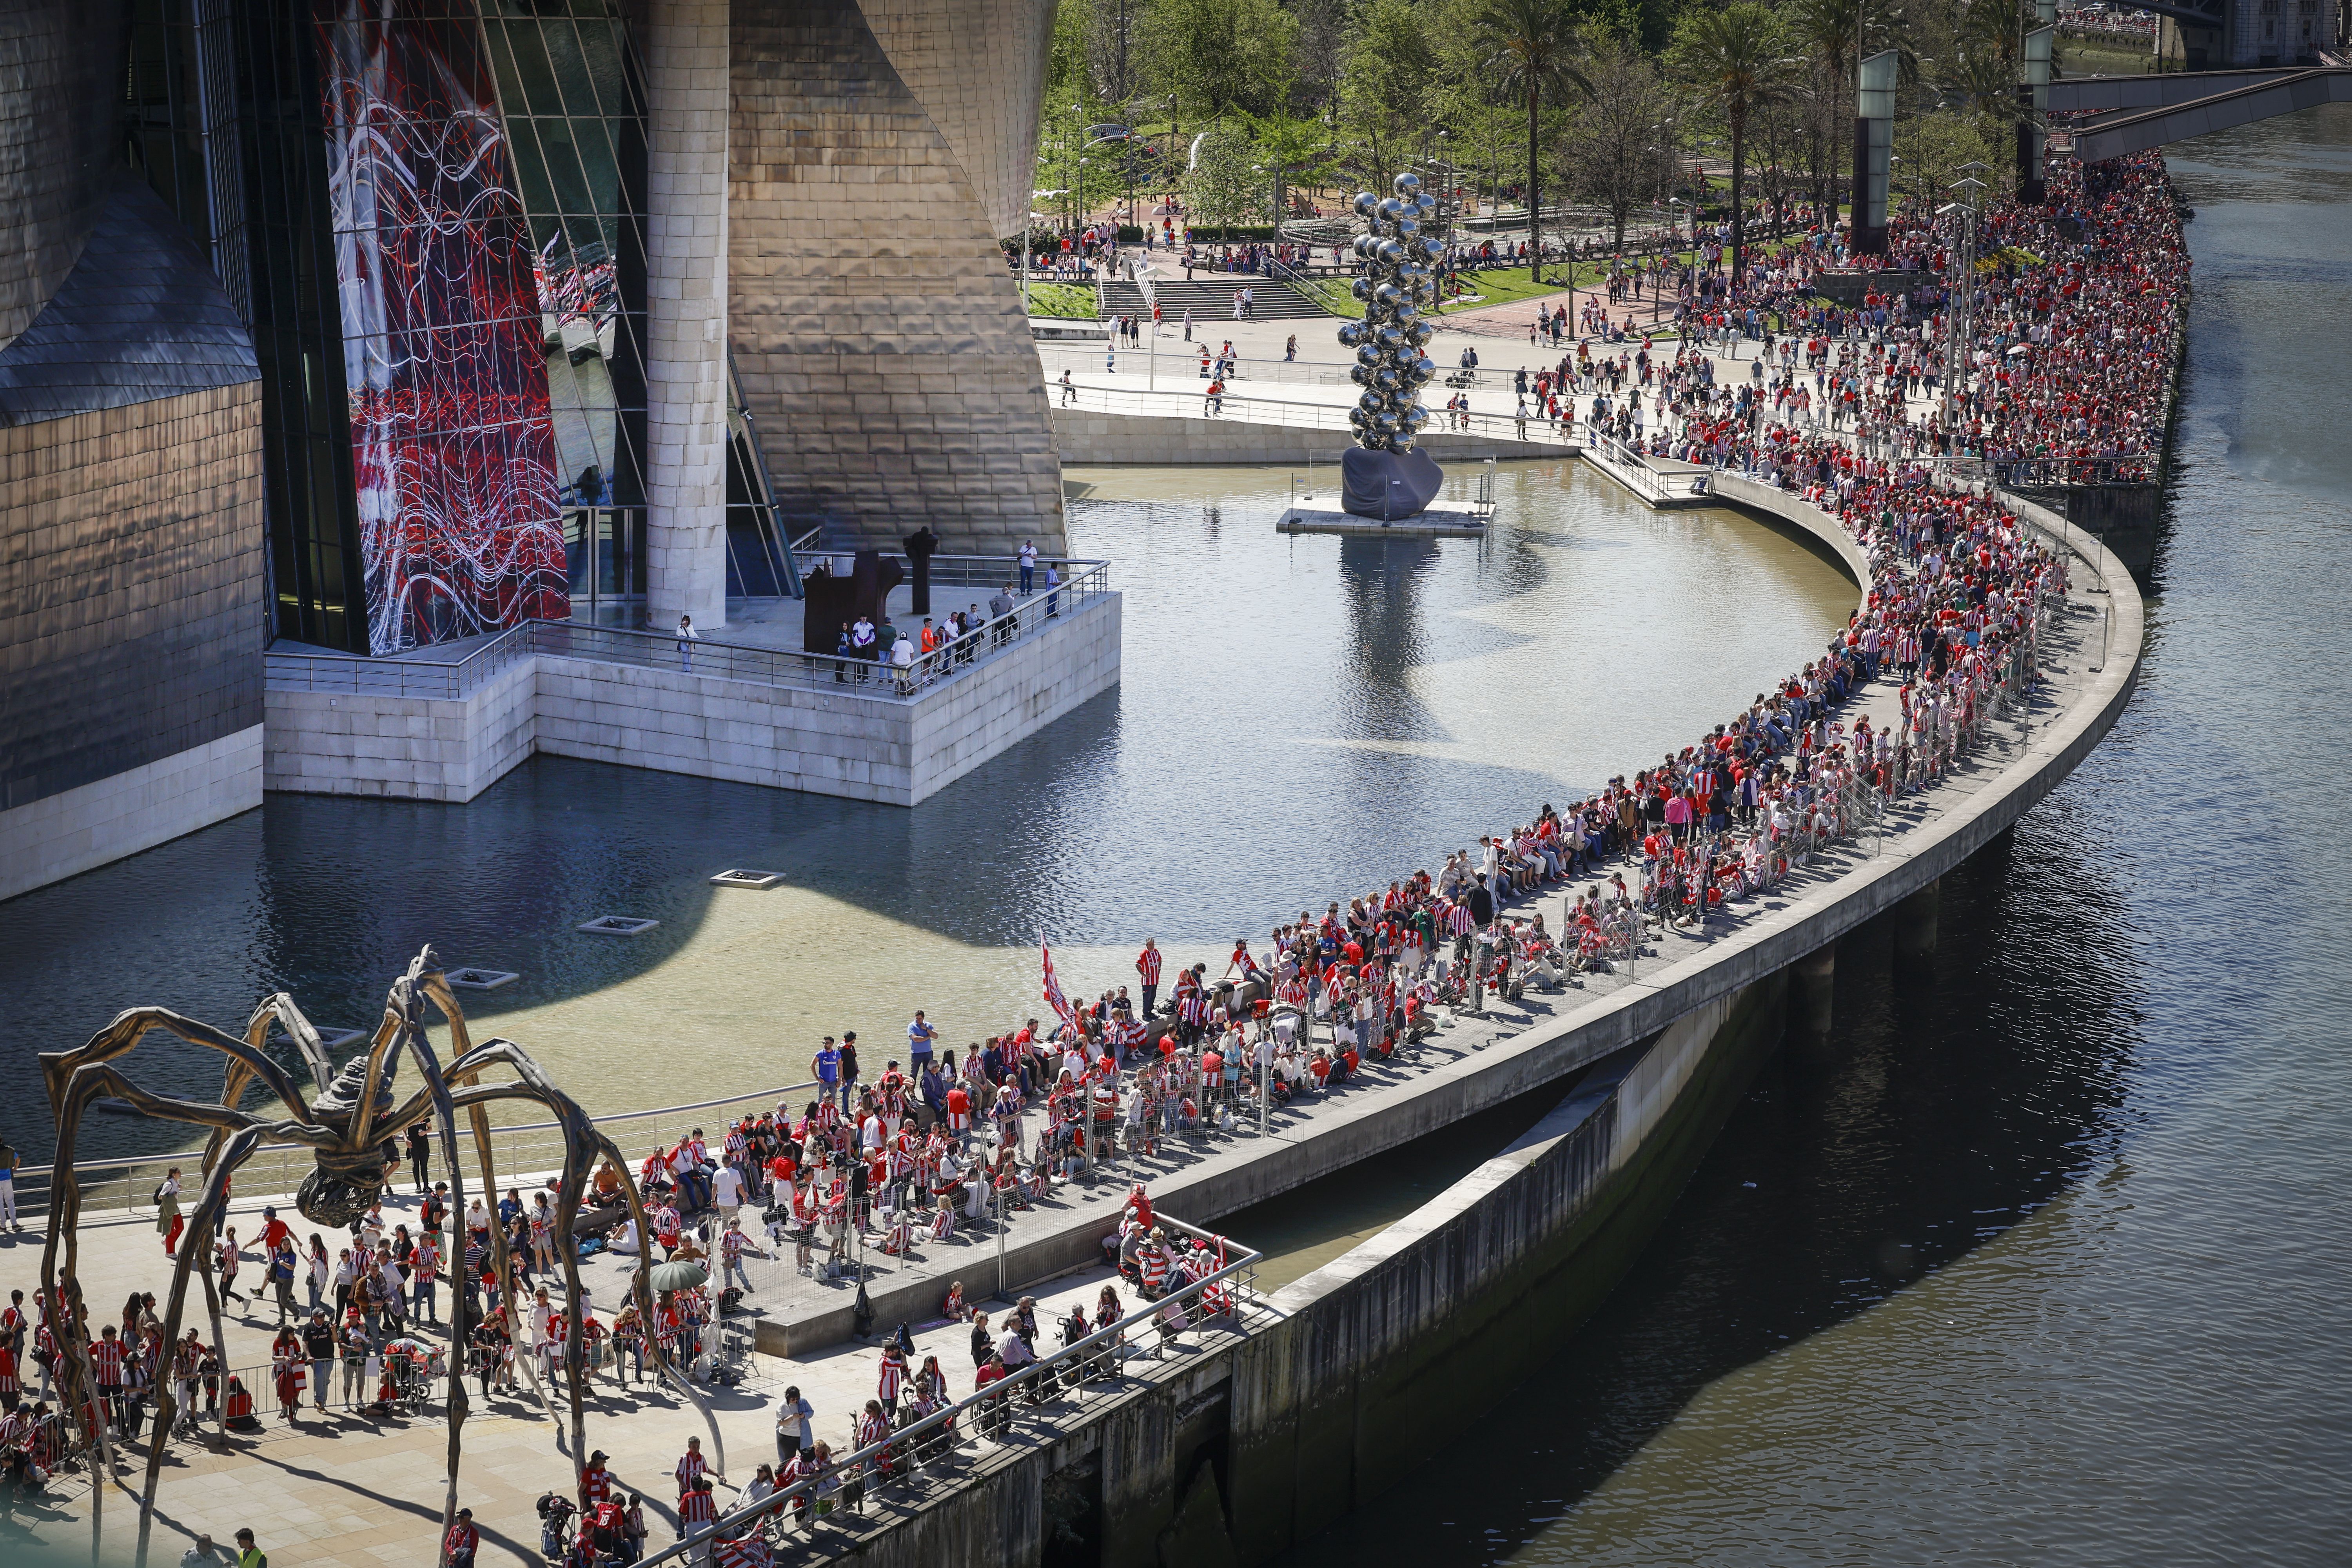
1396	286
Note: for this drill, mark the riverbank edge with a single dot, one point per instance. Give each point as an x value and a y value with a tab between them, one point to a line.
1301	1422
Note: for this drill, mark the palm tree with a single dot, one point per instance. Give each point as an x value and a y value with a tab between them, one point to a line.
1736	58
1837	34
1531	45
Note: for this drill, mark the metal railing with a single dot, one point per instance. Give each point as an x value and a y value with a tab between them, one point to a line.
329	672
1626	466
1084	1367
1302	414
524	1149
290	669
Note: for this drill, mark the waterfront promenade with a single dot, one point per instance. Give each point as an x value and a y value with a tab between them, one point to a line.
371	1489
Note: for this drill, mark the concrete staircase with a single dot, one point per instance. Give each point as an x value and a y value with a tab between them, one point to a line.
1210	297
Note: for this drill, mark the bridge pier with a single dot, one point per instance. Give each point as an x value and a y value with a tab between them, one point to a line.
1914	921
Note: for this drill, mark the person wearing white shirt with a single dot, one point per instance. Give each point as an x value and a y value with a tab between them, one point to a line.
727	1192
792	1429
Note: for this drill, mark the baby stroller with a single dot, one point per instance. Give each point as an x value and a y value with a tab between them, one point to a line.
556	1520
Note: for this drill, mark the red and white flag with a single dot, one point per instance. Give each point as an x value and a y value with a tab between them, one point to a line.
1053	997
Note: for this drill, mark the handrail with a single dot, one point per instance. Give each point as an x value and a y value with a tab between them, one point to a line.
333	672
731	1525
518	1140
322	669
1535	431
118	1160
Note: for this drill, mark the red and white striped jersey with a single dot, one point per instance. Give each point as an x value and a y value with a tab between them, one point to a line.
691	1468
106	1358
1147	964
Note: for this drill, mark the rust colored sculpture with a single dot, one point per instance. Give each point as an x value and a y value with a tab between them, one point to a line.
352	1125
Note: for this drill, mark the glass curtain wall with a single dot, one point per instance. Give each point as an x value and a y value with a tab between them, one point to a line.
451	427
314	544
574	107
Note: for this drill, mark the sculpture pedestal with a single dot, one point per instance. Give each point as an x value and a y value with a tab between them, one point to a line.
1388	487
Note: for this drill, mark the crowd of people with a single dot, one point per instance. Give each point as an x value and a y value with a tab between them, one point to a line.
2070	356
2074	322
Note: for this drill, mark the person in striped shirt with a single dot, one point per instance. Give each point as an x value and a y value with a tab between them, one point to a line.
1146	964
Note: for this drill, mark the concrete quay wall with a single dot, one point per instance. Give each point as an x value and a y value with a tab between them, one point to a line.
1256	1445
840	741
1162	440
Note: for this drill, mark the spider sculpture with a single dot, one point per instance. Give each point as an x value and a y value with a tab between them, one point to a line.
351	1124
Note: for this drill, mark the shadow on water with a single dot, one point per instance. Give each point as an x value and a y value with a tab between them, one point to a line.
1953	1096
1297	719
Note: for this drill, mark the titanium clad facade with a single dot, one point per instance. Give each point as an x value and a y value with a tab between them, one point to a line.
877	329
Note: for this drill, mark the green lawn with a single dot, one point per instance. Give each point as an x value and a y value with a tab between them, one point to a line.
1070	301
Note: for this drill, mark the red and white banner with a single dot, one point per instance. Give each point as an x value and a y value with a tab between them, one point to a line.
1053	997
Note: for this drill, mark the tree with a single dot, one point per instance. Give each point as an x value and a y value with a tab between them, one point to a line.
1320	53
1835	35
1384	94
1530	46
1737	59
1615	156
1222	55
1114	55
1289	148
1223	187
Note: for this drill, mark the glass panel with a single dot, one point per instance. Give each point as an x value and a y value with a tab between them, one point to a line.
450	427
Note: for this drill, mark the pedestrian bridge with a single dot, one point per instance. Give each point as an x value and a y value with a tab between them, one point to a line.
2134	114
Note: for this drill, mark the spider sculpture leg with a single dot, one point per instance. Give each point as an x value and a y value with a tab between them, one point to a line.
583	1145
207	1213
59	1072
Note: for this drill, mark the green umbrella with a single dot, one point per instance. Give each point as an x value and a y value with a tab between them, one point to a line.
681	1275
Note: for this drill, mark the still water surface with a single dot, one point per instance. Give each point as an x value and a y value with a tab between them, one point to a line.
1297	721
2044	1257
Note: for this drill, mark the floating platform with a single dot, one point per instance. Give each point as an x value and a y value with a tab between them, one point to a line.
1442	520
1663	483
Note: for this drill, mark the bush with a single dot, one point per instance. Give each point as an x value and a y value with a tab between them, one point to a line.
1238	233
1130	233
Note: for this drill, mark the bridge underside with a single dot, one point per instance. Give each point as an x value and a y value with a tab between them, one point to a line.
2140	113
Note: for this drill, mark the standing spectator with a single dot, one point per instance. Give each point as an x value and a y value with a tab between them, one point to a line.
1146	964
169	1221
1028	564
420	1151
686	638
319	1347
793	1430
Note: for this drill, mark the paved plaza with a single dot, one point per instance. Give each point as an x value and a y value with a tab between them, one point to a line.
343	1488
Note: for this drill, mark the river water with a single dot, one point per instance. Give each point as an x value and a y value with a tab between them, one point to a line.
2042	1256
1297	721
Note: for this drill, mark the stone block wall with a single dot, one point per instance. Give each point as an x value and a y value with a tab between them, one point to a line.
878	334
1160	440
843	741
63	835
404	748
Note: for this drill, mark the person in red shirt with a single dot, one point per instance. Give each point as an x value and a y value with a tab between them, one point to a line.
273	1231
596	1482
457	1548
